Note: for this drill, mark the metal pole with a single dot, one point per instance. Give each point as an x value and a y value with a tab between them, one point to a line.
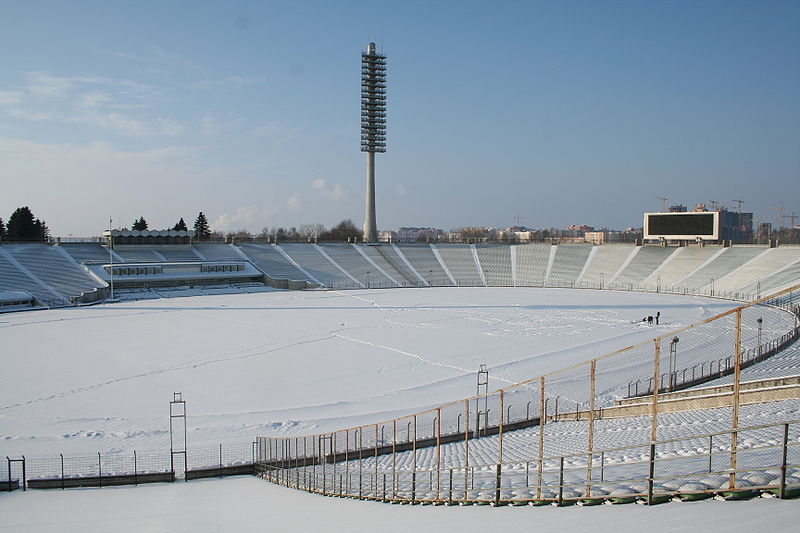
737	374
542	422
438	451
62	469
414	463
590	443
654	409
111	256
498	475
394	459
782	486
466	446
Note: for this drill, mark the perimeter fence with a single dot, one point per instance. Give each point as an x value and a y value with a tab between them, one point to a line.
125	468
619	426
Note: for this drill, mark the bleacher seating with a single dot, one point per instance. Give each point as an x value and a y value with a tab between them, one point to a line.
605	262
685	261
138	254
178	253
316	264
532	262
496	264
51	267
214	251
771	260
272	262
13	279
393	257
356	265
641	266
378	254
460	261
773	282
87	253
424	261
732	258
567	264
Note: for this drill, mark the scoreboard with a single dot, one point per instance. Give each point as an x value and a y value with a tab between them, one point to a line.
682	226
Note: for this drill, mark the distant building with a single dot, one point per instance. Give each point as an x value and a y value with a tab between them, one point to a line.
415	234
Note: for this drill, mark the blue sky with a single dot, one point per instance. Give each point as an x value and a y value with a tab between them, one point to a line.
560	112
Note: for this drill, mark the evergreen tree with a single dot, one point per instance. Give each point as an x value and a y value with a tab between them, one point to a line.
140	224
41	231
22	226
180	226
2	230
201	228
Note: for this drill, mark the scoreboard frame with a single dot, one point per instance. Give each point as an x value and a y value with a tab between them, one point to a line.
684	225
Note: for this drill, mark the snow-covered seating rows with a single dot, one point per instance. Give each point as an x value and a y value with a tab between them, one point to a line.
87	253
769	261
348	257
641	266
683	262
495	262
137	254
603	264
317	265
532	261
460	261
424	261
217	251
52	267
267	258
730	259
13	279
386	258
568	264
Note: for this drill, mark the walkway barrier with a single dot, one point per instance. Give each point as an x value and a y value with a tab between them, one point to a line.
562	432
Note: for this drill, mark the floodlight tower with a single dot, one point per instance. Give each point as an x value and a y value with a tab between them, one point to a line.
373	127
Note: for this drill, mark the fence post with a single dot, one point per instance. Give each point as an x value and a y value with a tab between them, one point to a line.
466	447
542	421
135	469
737	374
438	452
498	475
376	461
394	459
782	487
360	462
99	470
654	409
414	463
333	452
561	481
651	473
590	443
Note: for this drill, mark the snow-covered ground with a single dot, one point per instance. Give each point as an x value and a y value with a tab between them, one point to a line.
249	504
100	378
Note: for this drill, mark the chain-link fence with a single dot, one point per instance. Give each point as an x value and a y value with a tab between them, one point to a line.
649	421
131	468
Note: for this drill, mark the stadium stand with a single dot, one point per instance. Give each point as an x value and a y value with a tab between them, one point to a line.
604	264
495	261
138	254
785	277
374	254
531	264
51	267
567	264
461	263
347	257
178	253
87	253
422	258
270	261
771	260
723	264
642	265
13	279
399	262
316	264
682	263
217	251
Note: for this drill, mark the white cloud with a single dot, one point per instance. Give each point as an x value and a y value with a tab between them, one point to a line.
10	97
295	203
336	192
241	218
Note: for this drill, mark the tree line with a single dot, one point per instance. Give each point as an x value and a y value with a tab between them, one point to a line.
23	226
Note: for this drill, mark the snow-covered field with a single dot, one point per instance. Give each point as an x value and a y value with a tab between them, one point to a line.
100	378
249	504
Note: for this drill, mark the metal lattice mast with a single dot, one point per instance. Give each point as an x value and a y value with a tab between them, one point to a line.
373	127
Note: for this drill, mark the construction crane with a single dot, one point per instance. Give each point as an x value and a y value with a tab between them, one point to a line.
780	209
517	218
714	204
793	217
664	203
739	204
